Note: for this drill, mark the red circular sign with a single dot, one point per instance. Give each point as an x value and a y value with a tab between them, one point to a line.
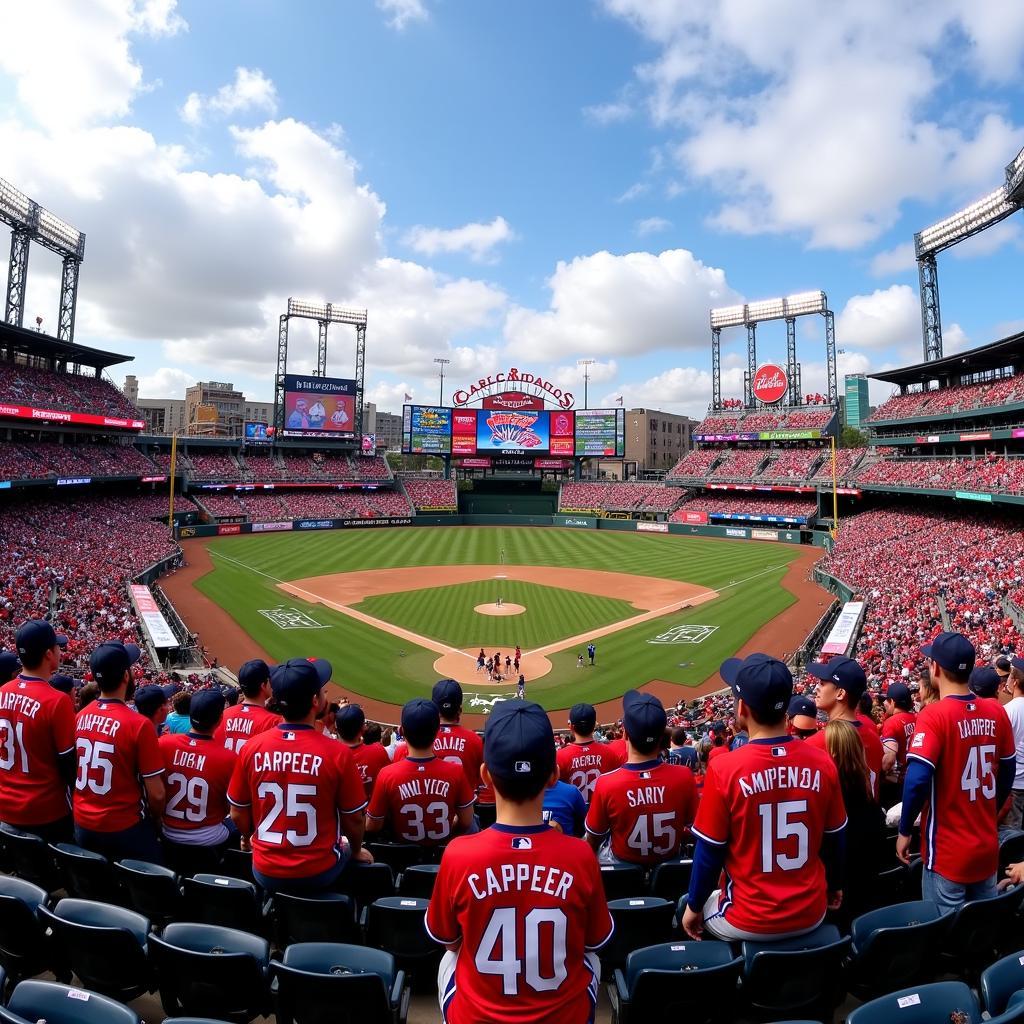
770	383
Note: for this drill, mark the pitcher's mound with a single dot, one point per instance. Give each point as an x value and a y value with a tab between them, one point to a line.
500	609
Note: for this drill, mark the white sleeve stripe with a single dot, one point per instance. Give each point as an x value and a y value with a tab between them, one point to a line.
918	757
707	839
437	938
604	941
62	753
1009	757
598	834
356	810
150	775
838	828
235	803
462	807
376	817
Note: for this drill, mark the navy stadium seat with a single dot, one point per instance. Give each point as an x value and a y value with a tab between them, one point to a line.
62	1004
327	917
1001	981
399	856
894	947
366	883
29	857
639	921
418	880
622	881
223	900
237	864
151	889
671	879
24	948
86	875
930	1004
977	929
395	924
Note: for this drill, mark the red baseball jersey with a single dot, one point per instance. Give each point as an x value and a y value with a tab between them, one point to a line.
770	803
963	738
646	807
37	725
580	764
243	722
872	749
717	752
297	783
527	904
117	749
458	746
619	749
198	771
369	759
420	798
898	730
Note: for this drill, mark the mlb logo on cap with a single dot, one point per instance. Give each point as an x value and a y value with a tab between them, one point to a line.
523	767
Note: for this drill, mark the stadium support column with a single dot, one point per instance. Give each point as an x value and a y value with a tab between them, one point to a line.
68	298
282	367
931	320
360	374
751	363
716	368
321	347
793	398
830	356
17	274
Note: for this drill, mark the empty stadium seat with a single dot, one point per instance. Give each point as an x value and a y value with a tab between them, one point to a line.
395	925
894	947
237	864
366	882
1001	982
152	890
399	856
418	880
639	921
222	900
29	857
976	931
63	1004
622	881
671	879
327	917
926	1004
86	875
24	950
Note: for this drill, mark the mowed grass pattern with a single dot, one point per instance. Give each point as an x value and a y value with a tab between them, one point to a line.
377	664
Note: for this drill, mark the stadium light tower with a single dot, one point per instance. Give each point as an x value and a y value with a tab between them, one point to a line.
586	364
442	363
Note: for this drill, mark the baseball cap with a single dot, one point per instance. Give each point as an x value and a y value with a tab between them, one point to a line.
447	695
206	708
984	681
643	717
253	673
149	699
898	693
802	713
420	721
584	717
844	673
1003	664
1015	662
64	683
324	669
35	637
111	660
519	742
759	680
349	720
295	682
10	666
953	651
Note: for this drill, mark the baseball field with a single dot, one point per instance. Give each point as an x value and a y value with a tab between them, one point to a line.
394	609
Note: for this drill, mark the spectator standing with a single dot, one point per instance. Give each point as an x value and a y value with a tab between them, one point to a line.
120	768
151	702
681	751
294	792
37	738
583	760
521	687
519	951
179	720
771	818
369	758
251	717
1015	712
718	743
897	730
960	768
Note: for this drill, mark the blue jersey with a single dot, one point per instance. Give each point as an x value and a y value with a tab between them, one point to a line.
564	805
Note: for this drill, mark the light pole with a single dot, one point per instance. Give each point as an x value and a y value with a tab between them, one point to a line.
586	364
442	363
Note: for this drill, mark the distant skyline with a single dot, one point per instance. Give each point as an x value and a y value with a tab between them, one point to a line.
520	184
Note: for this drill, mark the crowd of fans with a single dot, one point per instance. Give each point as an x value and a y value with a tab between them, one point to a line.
739	464
39	460
942	401
801	418
988	473
723	504
638	497
694	465
432	494
48	389
792	464
846	460
320	504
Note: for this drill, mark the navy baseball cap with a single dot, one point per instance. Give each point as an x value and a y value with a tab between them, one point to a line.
447	695
206	708
898	693
844	673
803	708
584	717
420	721
350	719
1004	664
10	666
64	683
149	699
111	660
759	680
643	717
519	742
324	669
296	681
1014	662
254	673
953	651
35	637
984	681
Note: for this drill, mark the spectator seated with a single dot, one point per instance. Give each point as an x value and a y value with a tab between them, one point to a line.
432	494
738	504
959	398
48	389
214	464
695	465
739	464
792	464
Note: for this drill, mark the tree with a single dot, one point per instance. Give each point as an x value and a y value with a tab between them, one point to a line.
851	437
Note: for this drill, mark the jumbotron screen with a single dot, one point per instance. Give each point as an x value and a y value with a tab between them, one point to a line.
319	406
431	430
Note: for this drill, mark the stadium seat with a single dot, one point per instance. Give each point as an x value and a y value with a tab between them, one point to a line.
671	879
237	864
62	1004
224	901
395	925
894	947
889	886
366	883
399	856
795	975
977	929
104	945
925	1004
418	880
24	950
622	881
327	917
202	969
333	983
154	891
691	981
640	921
86	875
29	857
1001	981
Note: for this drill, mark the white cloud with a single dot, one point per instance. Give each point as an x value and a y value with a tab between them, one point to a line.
888	318
609	113
1006	233
607	305
477	240
402	12
680	389
250	90
599	372
894	261
635	191
391	397
165	382
652	226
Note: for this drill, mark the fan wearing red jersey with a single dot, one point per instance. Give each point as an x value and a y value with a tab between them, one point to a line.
198	771
960	769
120	768
640	813
421	799
251	717
842	683
520	906
770	822
369	758
37	737
294	792
582	761
897	730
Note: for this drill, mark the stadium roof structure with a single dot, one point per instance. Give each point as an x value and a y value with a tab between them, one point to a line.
1007	351
35	343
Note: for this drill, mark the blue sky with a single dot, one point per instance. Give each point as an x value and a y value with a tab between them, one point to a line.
526	183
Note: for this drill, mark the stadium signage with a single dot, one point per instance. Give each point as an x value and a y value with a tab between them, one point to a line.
497	383
844	630
187	531
74	480
695	517
569	521
314	524
271	527
770	383
973	496
399	521
982	436
153	621
646	527
28	412
514	400
764	534
153	479
731	532
226	529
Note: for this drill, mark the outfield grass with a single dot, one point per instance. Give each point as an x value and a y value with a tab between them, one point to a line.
378	665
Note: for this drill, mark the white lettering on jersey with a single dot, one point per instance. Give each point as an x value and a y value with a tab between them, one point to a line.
645	796
519	877
780	777
287	761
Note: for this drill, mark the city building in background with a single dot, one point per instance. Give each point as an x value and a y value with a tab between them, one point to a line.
387	426
657	440
209	409
857	405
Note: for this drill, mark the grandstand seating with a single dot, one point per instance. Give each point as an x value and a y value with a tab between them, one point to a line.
718	425
643	497
792	464
990	473
738	503
846	459
432	494
214	464
800	418
321	504
941	402
261	466
694	465
47	389
739	464
42	459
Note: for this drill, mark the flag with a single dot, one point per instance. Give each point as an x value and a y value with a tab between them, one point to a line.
619	399
408	398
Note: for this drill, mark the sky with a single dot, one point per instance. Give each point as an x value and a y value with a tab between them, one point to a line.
523	183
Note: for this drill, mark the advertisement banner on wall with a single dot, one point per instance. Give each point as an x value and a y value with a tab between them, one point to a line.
695	517
314	524
225	529
28	412
842	634
474	463
271	527
764	534
152	619
645	527
731	531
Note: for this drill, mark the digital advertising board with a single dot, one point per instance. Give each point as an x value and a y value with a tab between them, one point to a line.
600	432
258	433
319	406
427	430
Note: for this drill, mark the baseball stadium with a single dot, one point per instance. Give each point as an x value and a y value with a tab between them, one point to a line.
507	543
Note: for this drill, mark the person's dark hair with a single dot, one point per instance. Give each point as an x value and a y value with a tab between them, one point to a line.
521	789
251	688
679	737
182	702
865	703
87	694
768	719
297	708
348	729
423	736
372	734
960	678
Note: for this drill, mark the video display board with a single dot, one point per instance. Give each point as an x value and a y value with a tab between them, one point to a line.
601	432
319	406
427	430
257	432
